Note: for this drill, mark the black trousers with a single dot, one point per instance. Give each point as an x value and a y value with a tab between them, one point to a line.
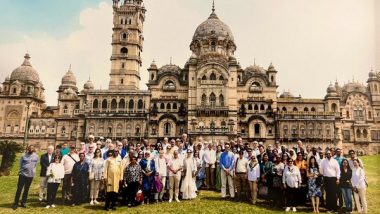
23	183
51	192
290	194
111	198
132	189
66	187
331	192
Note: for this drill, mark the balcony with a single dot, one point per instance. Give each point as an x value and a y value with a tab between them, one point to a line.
213	82
211	110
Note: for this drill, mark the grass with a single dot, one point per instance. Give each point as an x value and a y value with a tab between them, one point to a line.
207	202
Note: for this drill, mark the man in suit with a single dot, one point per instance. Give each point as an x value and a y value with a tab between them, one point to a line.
46	159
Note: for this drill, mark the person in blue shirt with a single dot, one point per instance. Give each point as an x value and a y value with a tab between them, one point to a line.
227	160
149	171
339	157
28	163
80	175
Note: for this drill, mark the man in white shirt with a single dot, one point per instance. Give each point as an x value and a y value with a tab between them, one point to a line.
209	159
240	179
161	171
175	168
330	170
68	162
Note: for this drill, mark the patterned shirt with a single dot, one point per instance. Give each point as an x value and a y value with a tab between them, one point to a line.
133	173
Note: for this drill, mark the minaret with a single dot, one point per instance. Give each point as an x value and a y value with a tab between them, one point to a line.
127	44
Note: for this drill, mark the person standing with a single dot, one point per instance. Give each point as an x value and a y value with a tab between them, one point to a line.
218	182
240	179
359	186
55	173
209	159
291	180
188	187
96	175
132	179
68	162
80	180
112	175
227	171
161	171
65	149
330	170
149	171
277	191
27	171
314	187
46	160
345	184
175	167
253	170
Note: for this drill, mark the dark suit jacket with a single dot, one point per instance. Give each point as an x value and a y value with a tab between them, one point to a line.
45	163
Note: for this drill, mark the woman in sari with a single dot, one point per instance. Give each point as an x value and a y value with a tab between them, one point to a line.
188	187
218	182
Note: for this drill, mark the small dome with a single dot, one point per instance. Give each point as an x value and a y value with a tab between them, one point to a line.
372	74
255	69
213	27
354	87
170	68
25	73
331	89
153	66
271	67
69	78
89	85
7	79
286	94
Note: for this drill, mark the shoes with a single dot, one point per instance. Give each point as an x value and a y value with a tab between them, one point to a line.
129	205
14	207
47	207
96	202
170	200
23	205
113	208
92	202
177	200
53	205
287	209
294	209
106	209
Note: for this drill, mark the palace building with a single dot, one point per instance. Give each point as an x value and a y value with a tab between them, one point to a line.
211	96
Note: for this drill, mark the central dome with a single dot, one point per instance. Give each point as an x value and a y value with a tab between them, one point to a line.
213	27
25	73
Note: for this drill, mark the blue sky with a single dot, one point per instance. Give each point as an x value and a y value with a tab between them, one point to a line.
54	17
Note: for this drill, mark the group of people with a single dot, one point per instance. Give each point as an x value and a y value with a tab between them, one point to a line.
132	174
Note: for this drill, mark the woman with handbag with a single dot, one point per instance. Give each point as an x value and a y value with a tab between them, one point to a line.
291	180
55	173
278	170
359	186
96	175
314	185
253	174
345	184
132	179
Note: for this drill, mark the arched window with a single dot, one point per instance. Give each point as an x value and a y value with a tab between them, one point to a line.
167	129
250	107
256	108
311	130
63	130
221	100
348	114
204	77
334	107
306	109
169	86
113	104
65	109
131	104
212	125
121	21
328	131
130	21
140	104
365	133
223	125
104	104
313	109
174	105
95	104
213	46
212	76
212	99
358	133
285	128
124	50
122	104
204	100
257	129
375	88
262	107
272	78
284	109
239	78
295	109
221	77
369	115
125	36
168	106
162	106
152	77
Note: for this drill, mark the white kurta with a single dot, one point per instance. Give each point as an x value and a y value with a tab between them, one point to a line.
188	187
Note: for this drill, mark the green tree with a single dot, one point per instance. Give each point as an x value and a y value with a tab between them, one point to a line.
8	150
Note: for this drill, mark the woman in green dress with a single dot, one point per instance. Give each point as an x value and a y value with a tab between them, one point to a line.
218	183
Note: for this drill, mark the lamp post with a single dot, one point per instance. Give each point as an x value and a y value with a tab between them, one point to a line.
28	102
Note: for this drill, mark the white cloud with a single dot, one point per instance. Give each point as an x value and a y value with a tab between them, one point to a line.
310	43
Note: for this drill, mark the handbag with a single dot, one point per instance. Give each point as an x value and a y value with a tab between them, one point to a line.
139	196
157	184
263	190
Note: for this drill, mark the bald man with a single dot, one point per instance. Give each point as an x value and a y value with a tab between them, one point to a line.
46	160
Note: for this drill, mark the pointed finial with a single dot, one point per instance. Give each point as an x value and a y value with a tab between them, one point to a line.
254	61
213	6
170	60
70	67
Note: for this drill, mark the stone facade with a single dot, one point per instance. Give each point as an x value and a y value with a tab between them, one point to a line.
211	97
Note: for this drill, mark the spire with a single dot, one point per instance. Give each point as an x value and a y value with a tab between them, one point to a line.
213	14
170	60
26	60
213	6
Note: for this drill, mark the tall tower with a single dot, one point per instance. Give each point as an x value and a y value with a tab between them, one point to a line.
127	44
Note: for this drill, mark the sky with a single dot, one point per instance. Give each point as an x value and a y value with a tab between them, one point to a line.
311	43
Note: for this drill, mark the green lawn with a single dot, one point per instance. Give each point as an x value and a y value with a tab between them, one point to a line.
207	202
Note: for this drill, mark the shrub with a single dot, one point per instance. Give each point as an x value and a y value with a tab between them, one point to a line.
8	150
